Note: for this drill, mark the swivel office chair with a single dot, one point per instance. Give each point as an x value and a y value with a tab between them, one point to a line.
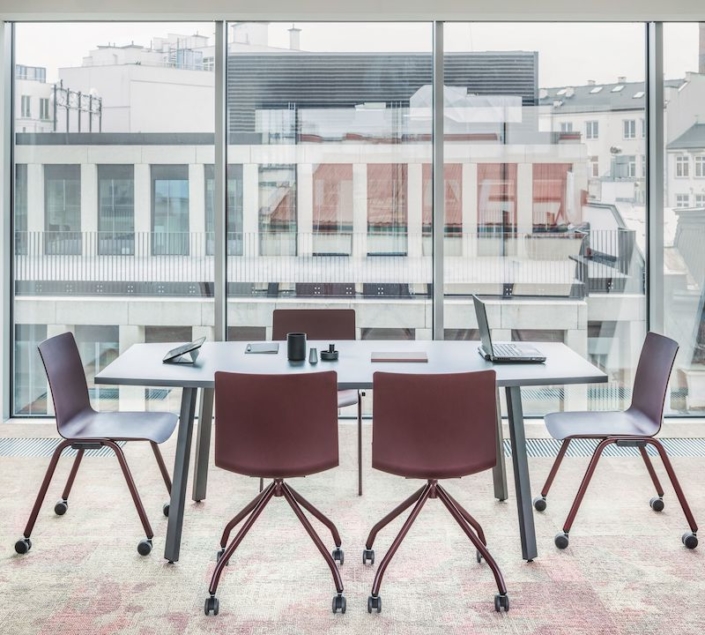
294	434
433	427
82	428
329	325
635	427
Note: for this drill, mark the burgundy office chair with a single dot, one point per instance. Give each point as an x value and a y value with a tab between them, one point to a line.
635	427
82	428
330	325
294	434
433	427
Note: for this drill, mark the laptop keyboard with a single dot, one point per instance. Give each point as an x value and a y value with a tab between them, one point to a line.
506	350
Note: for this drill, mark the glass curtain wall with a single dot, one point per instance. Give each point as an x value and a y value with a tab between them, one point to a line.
544	193
684	212
110	203
322	126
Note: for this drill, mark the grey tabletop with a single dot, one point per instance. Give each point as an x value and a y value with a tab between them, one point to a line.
141	364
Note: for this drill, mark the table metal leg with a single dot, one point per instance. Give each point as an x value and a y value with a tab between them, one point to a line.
522	484
180	476
203	444
499	472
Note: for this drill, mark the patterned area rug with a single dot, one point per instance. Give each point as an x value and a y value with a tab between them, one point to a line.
625	572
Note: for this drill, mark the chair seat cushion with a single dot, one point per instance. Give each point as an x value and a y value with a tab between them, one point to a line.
347	398
598	425
121	426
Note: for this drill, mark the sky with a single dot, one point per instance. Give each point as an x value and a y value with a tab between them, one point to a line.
569	53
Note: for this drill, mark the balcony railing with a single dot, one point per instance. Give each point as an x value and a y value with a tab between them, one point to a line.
182	264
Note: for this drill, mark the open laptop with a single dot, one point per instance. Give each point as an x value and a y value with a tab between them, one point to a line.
506	352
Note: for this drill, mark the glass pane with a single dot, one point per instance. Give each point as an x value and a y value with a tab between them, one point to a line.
113	133
683	297
545	193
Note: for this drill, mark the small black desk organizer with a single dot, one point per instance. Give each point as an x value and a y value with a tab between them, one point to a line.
331	355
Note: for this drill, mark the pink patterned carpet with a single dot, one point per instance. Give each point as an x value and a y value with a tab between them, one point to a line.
626	571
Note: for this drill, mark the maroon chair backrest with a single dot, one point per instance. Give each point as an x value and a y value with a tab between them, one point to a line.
67	379
435	425
276	426
318	324
651	379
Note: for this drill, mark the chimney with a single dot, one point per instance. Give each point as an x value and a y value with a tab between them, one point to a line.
701	50
591	82
622	79
294	38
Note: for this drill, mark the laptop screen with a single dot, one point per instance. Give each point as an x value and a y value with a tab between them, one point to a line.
482	325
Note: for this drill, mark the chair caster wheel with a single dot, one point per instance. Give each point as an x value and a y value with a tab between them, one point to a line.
501	602
211	606
338	555
339	603
23	545
219	555
368	556
145	547
478	556
61	507
657	504
374	602
689	539
165	509
561	540
540	504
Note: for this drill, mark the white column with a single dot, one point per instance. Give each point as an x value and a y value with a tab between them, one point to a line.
143	210
469	209
131	397
415	211
525	198
89	208
360	210
197	208
304	209
250	214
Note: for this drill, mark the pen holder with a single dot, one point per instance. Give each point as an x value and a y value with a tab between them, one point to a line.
296	347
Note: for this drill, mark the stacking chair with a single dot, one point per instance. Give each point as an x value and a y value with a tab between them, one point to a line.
82	428
433	427
292	434
330	325
635	427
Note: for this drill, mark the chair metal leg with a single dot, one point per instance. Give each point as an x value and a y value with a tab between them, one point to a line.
585	482
261	484
162	466
674	481
399	509
425	493
131	486
72	475
44	487
554	468
318	514
359	443
468	518
479	544
291	499
240	515
652	472
261	504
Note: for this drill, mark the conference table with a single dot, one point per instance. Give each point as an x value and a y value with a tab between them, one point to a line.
141	365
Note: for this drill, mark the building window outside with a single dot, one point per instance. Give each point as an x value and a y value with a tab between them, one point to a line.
566	126
682	166
208	63
700	166
116	209
332	208
643	128
453	225
592	129
629	128
170	210
700	200
235	205
30	392
387	208
277	210
98	346
631	166
25	107
595	166
497	196
682	200
643	166
44	108
62	209
20	224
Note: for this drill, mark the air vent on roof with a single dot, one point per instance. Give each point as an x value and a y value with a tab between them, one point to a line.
557	103
616	89
543	93
561	91
638	95
597	89
569	92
